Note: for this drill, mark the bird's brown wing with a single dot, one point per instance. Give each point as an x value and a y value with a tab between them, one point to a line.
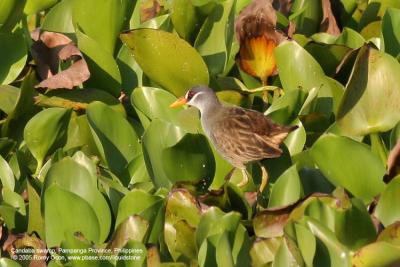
249	134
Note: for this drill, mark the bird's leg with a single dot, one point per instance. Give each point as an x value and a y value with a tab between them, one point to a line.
264	178
245	179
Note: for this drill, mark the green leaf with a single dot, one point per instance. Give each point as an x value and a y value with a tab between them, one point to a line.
190	159
35	6
46	131
308	21
6	175
36	220
150	208
377	254
385	211
167	59
376	10
13	54
263	251
159	135
343	160
216	35
131	73
71	176
391	234
101	21
59	18
287	255
287	189
104	72
184	17
369	103
8	98
297	139
67	213
390	32
11	12
115	138
350	38
4	262
135	252
133	228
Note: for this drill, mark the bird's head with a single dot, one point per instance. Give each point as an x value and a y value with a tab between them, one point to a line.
199	96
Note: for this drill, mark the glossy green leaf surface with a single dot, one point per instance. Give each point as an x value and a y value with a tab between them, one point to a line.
385	211
13	53
335	155
172	63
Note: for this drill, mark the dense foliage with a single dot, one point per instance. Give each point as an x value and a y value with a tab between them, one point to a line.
97	170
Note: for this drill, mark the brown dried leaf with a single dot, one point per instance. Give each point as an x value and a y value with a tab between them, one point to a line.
149	9
393	163
48	50
18	241
328	23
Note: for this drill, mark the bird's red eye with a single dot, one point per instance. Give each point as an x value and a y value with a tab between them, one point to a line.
190	95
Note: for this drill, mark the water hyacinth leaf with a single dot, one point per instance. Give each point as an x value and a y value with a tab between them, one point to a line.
81	218
103	23
308	21
5	262
339	255
263	251
377	254
369	103
172	63
334	155
376	10
214	49
8	98
34	6
287	255
391	234
135	252
131	73
159	135
390	33
350	38
385	211
59	18
115	138
36	220
184	17
150	208
71	176
154	103
306	242
191	159
296	139
287	189
46	131
293	61
104	72
270	223
6	175
13	54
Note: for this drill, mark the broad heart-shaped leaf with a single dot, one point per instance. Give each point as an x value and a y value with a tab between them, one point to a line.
66	213
104	72
181	218
59	18
370	103
159	135
46	131
102	21
215	37
8	98
13	54
148	207
167	59
75	178
5	262
6	175
391	33
343	162
191	159
385	211
287	189
377	254
131	73
115	138
376	10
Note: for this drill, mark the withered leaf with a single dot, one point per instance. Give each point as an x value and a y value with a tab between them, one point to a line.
149	9
328	23
48	50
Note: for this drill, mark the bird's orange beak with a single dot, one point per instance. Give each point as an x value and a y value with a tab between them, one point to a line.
179	102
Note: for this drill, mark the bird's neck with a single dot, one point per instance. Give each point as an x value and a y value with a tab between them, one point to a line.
209	107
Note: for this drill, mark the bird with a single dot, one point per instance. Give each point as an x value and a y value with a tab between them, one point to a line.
241	136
